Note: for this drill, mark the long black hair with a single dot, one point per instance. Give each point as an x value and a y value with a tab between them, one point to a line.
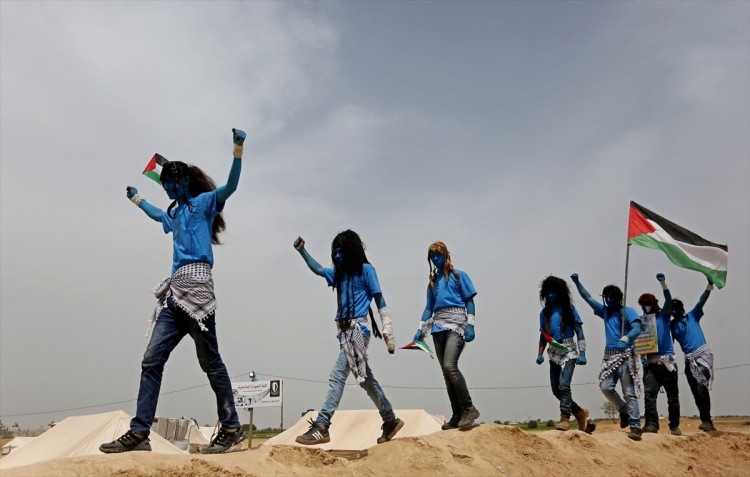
198	183
557	285
353	260
614	292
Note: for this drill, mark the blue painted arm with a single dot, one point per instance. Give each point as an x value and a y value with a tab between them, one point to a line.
667	303
595	305
579	332
314	266
470	307
635	330
698	310
379	300
151	210
223	192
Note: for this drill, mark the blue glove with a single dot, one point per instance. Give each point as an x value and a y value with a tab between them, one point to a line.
581	358
540	359
660	277
131	191
418	336
621	345
574	277
469	333
238	136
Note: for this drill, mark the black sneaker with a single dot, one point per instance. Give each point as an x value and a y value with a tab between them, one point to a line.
224	441
468	417
635	433
390	428
707	426
452	424
130	441
675	431
317	434
651	428
624	420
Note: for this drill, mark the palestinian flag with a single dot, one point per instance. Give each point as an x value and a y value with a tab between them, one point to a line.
419	345
554	343
684	248
153	169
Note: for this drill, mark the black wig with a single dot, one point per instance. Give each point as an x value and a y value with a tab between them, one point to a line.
559	286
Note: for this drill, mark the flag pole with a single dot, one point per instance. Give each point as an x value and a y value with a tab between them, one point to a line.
627	262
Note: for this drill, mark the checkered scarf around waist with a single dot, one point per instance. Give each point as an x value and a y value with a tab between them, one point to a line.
451	318
192	289
353	344
614	358
561	357
669	361
703	356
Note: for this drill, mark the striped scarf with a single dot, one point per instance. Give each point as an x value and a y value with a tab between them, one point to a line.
353	344
703	356
192	289
613	359
451	318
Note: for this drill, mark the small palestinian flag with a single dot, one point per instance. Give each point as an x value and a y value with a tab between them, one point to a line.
153	169
554	343
684	248
420	345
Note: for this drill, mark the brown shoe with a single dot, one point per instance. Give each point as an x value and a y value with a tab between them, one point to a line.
582	416
564	423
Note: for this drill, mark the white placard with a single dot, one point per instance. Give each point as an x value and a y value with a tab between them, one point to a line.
257	394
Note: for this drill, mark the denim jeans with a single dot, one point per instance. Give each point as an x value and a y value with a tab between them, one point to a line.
560	378
173	324
654	377
448	348
630	404
700	392
336	383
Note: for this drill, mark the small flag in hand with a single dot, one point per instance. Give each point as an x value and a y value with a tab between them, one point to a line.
420	345
153	169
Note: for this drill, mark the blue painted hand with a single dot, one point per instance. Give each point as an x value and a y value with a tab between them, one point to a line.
299	244
131	191
660	277
238	136
418	336
574	277
581	358
469	333
539	359
621	345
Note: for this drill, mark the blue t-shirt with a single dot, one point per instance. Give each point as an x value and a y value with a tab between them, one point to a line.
555	321
191	228
688	332
664	334
356	292
450	293
613	323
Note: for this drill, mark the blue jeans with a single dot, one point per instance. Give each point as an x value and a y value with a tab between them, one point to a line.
630	404
336	383
560	378
448	348
173	324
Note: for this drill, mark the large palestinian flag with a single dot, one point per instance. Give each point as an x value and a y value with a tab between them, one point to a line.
153	168
684	248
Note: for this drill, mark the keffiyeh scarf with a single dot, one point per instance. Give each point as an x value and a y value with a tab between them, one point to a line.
452	319
192	289
613	359
703	356
353	344
561	357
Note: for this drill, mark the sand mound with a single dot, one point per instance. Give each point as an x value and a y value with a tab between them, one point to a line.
489	449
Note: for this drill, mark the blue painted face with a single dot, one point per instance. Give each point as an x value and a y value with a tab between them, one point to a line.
551	298
647	309
171	189
609	302
338	256
177	189
437	259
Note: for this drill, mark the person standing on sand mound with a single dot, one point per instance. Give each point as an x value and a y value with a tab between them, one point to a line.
559	322
449	317
186	299
621	326
356	285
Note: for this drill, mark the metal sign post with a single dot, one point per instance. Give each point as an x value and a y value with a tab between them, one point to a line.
250	432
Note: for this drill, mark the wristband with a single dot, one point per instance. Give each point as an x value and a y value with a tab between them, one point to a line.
237	151
582	346
136	199
710	287
470	319
664	285
625	339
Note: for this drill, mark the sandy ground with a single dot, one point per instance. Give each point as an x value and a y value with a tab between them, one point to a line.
486	450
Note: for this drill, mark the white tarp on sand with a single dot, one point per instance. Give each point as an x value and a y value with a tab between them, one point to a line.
359	430
15	444
78	436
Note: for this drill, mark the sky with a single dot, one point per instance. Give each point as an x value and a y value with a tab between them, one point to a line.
515	132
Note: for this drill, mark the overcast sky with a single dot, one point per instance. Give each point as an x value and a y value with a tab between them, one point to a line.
515	132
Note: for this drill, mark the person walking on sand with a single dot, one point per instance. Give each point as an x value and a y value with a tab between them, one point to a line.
356	284
559	323
186	299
